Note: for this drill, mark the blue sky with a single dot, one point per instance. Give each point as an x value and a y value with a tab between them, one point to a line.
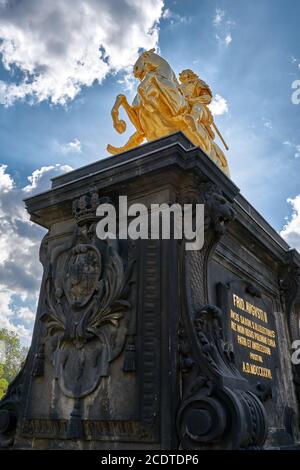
63	63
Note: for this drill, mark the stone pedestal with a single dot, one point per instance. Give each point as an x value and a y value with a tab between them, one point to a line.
140	344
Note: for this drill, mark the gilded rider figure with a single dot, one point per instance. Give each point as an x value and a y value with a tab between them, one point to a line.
198	95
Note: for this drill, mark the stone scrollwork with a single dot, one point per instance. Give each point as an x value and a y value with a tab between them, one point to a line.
218	211
289	282
10	409
217	410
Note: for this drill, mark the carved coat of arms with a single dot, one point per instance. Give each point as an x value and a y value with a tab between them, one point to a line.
87	310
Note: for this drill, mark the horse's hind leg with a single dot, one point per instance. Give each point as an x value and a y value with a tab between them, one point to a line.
131	113
133	141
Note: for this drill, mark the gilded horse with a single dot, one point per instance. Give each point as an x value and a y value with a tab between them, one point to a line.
159	109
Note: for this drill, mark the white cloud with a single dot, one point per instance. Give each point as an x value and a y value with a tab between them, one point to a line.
129	82
59	46
218	105
26	314
228	39
6	312
20	270
294	147
38	175
291	231
295	61
2	352
71	147
175	18
6	181
223	27
167	13
267	123
219	16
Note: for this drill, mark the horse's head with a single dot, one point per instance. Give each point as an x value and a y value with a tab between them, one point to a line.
147	62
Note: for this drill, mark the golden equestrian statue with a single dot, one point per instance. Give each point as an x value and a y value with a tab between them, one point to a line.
163	106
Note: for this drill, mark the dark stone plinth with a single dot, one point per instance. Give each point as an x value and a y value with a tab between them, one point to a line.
141	344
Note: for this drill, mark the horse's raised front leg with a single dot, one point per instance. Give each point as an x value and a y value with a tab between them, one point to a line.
132	114
120	124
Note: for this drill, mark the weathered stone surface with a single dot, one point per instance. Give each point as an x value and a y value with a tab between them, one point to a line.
135	345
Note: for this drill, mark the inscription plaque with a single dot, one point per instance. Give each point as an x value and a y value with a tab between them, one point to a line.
250	327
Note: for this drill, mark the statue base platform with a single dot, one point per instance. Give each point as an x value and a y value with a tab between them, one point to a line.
142	344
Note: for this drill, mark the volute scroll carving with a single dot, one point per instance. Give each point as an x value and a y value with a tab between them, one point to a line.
289	283
217	410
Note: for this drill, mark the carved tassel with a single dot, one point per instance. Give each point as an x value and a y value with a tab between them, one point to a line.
130	358
38	369
75	427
